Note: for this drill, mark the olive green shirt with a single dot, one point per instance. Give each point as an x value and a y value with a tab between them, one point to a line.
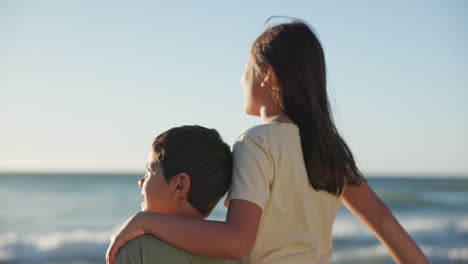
148	249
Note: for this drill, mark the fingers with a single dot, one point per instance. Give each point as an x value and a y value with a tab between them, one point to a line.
113	249
109	254
113	254
110	257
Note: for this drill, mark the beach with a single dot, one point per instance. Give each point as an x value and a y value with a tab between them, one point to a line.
69	218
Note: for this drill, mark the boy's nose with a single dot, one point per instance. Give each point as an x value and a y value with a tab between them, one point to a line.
140	182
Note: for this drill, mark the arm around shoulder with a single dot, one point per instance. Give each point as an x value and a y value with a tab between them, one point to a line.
362	202
232	239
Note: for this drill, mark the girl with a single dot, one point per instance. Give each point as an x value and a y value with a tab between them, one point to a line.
290	173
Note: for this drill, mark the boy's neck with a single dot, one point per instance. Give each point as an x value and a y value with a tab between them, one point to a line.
180	208
184	208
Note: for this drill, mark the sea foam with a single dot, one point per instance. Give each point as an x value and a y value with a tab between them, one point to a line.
56	245
379	251
348	227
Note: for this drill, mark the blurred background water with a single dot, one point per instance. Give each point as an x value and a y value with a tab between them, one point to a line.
100	80
68	218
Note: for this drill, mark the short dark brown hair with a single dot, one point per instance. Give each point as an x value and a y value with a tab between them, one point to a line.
201	153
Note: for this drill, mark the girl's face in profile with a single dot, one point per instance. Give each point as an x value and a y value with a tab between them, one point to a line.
250	86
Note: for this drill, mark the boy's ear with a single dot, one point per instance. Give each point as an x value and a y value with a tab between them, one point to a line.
181	185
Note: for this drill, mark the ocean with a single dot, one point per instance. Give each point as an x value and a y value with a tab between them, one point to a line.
68	218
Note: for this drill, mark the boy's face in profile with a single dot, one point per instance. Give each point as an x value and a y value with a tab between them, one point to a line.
154	188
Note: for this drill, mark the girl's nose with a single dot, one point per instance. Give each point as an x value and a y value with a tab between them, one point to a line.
140	182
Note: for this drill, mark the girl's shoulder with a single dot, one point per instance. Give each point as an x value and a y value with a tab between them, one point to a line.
273	127
269	133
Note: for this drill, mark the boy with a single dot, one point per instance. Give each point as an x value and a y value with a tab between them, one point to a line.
188	171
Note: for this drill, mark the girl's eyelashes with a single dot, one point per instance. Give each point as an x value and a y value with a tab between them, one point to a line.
146	174
148	170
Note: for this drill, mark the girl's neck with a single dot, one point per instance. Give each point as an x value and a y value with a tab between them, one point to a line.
273	116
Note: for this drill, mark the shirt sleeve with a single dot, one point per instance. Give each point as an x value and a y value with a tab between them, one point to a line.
252	172
126	257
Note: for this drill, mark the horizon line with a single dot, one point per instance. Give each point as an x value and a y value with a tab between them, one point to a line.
374	174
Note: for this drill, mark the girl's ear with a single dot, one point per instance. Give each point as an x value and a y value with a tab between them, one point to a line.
269	76
181	185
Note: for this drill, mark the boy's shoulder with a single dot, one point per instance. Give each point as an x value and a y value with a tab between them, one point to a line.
150	249
199	259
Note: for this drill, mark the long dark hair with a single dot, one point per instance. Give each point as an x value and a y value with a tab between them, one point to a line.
296	56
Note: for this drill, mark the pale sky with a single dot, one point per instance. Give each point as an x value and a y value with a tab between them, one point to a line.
87	85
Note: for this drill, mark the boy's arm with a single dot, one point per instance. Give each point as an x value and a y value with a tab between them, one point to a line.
231	239
371	211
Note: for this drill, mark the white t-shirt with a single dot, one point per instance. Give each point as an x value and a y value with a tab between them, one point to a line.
269	170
